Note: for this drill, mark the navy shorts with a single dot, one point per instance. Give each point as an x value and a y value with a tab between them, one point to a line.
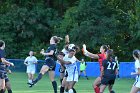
6	78
50	63
3	75
107	81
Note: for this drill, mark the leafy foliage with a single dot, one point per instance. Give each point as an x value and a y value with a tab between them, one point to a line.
28	24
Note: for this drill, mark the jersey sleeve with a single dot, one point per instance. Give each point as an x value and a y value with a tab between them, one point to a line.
2	54
26	59
100	55
52	47
73	60
137	64
35	59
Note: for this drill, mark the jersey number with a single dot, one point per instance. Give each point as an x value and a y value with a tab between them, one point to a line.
111	67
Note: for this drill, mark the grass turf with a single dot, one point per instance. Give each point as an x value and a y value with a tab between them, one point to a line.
19	84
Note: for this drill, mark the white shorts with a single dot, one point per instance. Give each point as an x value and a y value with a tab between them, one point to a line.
137	84
31	70
72	76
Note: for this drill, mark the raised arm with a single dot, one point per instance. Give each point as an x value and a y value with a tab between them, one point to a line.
62	61
89	54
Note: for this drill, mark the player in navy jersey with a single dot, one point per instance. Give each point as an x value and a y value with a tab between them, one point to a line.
7	81
50	63
3	62
109	71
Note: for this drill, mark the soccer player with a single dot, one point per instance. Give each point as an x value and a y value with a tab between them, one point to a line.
83	65
50	63
70	63
116	59
3	62
136	85
30	62
100	58
62	67
109	71
7	81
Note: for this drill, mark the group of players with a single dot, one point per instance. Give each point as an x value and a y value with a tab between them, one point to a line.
69	71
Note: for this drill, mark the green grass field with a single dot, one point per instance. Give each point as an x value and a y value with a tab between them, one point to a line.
19	85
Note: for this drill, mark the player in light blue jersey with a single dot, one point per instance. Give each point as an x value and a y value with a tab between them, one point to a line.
136	85
70	63
30	62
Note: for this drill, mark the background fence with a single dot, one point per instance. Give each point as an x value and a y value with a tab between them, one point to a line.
125	68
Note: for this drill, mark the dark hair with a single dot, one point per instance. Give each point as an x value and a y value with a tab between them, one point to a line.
105	47
110	54
136	53
75	48
1	43
57	39
61	53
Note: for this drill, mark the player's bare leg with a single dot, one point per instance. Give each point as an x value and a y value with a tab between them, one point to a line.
96	85
102	88
135	89
54	84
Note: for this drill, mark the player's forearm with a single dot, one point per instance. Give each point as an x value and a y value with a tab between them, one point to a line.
95	56
62	61
46	54
6	62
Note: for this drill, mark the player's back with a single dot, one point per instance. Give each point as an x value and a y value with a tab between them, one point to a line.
109	68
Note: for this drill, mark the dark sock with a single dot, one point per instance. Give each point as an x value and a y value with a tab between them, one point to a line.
112	91
2	91
61	89
74	91
61	81
79	76
86	77
38	78
9	91
54	84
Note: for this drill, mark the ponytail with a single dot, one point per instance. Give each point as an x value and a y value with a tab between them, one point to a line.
57	39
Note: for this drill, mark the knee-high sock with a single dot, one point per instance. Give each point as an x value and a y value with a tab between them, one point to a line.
97	89
2	91
74	91
9	91
54	84
61	89
38	78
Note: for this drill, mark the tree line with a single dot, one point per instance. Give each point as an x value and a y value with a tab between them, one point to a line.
28	25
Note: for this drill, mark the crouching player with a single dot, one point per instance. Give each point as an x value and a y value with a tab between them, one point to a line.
109	71
70	63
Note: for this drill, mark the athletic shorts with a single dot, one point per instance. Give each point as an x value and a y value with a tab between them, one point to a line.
72	76
50	63
30	70
6	78
107	81
66	73
2	75
137	83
